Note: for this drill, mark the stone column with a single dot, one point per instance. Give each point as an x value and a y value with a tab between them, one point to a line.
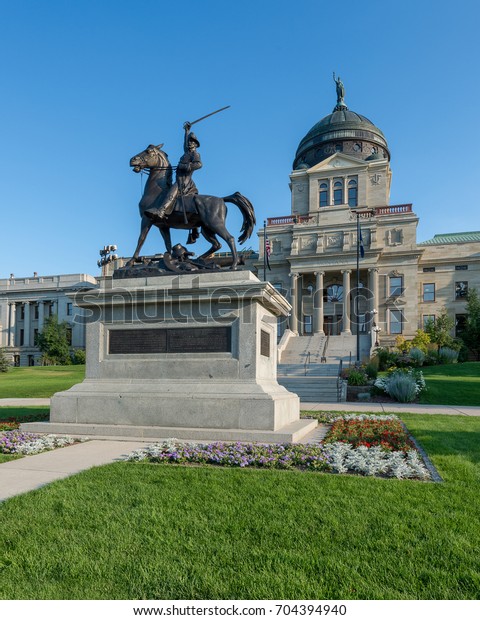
294	302
373	288
318	304
41	315
346	301
55	306
345	190
26	325
11	324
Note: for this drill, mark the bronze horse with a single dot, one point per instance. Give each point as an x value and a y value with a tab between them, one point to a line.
206	212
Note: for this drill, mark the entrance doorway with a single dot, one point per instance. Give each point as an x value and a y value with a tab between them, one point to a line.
332	324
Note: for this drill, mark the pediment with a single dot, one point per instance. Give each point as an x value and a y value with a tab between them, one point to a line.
337	161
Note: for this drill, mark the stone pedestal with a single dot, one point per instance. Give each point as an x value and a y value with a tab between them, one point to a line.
187	356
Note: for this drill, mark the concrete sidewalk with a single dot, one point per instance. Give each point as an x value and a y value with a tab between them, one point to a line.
32	472
305	406
381	408
24	402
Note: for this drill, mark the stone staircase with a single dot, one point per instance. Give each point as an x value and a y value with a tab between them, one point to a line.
305	375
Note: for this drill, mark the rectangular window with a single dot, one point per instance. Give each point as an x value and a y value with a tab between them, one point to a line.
428	318
396	321
35	311
461	290
22	337
22	312
338	192
428	269
461	267
69	336
307	323
323	194
429	292
396	286
69	309
35	336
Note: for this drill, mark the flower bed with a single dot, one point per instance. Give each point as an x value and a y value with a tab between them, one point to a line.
380	447
386	432
15	442
278	456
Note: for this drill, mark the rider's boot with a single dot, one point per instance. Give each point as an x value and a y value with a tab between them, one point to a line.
156	214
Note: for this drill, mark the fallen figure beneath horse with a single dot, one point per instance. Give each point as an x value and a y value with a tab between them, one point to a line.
190	212
179	261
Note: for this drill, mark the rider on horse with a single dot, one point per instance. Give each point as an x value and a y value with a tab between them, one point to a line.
184	185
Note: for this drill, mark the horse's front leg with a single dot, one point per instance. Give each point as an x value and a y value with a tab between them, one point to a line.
145	226
167	238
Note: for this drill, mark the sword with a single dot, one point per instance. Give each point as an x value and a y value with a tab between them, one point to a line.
207	115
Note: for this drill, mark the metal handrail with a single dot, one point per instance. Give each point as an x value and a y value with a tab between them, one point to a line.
339	381
307	361
325	347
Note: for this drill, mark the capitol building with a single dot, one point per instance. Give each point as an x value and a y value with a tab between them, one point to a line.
340	186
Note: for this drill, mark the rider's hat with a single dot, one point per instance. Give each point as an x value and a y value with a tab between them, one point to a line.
193	138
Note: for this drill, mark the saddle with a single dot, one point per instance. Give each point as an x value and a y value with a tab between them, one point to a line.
190	206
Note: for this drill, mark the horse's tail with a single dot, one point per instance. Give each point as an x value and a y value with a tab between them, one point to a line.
248	213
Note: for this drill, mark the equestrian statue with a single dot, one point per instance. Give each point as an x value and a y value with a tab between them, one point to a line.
167	205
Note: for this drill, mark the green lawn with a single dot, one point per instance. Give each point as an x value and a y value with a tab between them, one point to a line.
452	384
141	531
39	381
24	414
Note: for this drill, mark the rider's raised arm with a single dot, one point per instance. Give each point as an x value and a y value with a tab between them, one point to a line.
186	127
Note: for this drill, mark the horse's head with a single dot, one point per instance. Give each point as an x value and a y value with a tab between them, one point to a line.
151	157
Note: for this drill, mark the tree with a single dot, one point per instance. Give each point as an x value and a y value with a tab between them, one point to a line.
471	333
440	330
4	361
53	341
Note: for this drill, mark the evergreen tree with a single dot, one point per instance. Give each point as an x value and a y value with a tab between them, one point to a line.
53	341
471	334
4	361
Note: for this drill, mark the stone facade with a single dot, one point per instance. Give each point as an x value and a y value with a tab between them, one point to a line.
402	283
26	302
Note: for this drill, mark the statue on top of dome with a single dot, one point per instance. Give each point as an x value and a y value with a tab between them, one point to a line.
340	92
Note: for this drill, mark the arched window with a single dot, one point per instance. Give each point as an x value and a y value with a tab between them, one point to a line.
323	194
338	193
352	193
333	293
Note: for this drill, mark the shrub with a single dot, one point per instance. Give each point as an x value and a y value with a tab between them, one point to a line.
403	388
417	356
4	362
402	384
421	340
371	369
446	355
357	376
386	358
78	356
402	345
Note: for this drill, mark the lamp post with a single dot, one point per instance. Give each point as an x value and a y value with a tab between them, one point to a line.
360	252
106	257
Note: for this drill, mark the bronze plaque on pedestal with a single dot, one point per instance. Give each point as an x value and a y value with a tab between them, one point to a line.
264	343
174	340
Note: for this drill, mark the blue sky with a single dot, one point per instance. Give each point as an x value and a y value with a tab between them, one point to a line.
85	85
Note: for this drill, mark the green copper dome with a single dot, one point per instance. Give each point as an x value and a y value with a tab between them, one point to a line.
341	131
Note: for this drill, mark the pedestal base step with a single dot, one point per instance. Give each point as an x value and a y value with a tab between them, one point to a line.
291	433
